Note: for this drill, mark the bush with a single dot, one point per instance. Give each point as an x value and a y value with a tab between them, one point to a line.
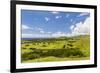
37	53
32	48
33	56
23	48
64	46
43	45
24	56
27	56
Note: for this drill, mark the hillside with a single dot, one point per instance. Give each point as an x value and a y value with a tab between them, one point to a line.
52	49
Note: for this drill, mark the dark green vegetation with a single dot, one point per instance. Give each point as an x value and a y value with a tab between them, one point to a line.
56	49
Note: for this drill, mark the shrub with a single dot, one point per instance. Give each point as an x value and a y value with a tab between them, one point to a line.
27	56
64	46
37	53
23	48
43	45
26	45
32	48
24	56
33	56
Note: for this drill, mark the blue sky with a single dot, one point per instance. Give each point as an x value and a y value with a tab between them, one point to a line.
52	24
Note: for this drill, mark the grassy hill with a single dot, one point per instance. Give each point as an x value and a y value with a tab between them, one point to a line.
56	49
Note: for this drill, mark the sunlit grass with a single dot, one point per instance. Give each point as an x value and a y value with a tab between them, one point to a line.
32	51
52	58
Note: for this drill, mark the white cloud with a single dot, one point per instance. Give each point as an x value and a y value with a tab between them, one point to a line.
35	35
38	28
41	31
71	27
83	14
55	12
57	17
25	27
47	19
58	34
27	35
81	28
77	29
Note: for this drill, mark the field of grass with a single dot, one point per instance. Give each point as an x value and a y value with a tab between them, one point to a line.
55	49
52	58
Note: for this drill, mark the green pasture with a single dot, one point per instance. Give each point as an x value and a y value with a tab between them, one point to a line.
55	49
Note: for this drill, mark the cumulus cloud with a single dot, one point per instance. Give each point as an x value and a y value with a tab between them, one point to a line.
27	35
71	27
57	17
83	14
81	28
47	19
58	34
38	28
55	12
25	27
41	31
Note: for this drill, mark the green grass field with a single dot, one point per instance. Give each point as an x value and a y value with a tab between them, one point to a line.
55	49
